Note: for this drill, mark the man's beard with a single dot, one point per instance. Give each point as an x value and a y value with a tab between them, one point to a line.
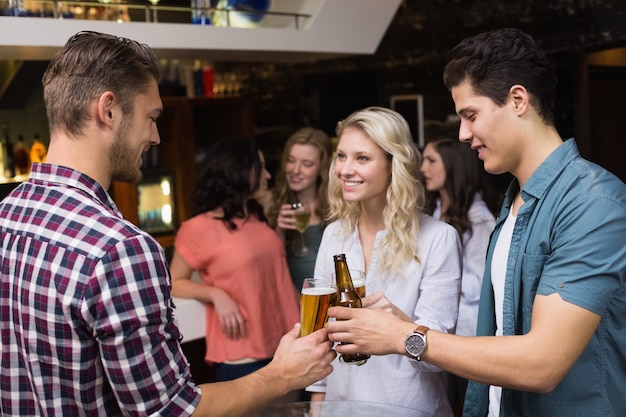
121	157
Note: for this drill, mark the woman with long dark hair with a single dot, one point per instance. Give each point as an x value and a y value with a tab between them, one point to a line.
250	302
459	192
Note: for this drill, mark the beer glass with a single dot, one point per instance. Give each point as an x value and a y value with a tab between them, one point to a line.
358	280
302	214
315	298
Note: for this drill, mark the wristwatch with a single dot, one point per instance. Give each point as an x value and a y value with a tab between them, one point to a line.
415	343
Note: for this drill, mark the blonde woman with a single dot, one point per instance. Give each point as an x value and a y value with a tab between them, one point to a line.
412	261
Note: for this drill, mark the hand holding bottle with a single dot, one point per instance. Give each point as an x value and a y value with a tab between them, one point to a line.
347	297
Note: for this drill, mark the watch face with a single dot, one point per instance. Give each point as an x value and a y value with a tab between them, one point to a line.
415	345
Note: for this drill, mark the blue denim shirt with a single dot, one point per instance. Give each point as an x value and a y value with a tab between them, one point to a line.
569	238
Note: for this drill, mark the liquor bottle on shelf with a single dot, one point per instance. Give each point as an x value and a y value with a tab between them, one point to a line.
7	153
21	156
38	150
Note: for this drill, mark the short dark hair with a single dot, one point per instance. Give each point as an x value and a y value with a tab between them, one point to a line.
89	64
494	61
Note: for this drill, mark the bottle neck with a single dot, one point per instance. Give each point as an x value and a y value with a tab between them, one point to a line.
344	281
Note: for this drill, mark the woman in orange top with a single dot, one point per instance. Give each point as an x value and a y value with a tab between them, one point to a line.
250	302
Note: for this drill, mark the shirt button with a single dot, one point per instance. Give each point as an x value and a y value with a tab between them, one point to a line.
561	284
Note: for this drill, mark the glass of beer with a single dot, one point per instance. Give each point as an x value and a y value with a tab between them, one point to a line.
358	280
315	298
302	214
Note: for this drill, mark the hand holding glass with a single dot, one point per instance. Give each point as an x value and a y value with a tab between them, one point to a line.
315	298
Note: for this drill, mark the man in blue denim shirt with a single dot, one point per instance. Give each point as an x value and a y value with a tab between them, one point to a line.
552	320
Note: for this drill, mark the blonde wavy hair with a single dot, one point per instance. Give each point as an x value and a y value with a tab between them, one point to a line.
405	193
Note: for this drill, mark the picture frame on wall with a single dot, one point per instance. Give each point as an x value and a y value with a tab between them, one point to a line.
411	107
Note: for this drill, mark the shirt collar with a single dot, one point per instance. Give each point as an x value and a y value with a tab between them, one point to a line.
550	169
51	175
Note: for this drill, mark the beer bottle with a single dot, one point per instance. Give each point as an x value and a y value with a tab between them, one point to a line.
347	297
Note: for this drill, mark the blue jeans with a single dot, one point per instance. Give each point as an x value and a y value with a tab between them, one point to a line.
228	372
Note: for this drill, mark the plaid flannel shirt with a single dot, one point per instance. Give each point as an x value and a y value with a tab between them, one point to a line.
86	319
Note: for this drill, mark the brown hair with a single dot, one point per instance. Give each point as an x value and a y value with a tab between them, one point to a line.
281	193
89	64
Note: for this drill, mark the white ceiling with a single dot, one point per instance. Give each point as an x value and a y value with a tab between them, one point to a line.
335	28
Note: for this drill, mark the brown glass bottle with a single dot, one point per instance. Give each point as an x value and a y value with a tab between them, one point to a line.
347	297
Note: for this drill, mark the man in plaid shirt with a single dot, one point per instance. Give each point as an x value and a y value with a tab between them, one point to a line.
86	320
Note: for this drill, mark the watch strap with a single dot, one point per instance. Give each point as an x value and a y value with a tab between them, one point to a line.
422	330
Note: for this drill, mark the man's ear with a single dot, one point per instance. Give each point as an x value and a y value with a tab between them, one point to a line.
519	99
106	111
